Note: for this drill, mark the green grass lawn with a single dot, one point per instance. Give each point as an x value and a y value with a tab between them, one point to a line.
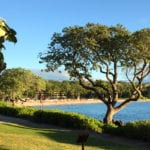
17	137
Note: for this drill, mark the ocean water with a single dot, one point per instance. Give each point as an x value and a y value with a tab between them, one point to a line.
134	111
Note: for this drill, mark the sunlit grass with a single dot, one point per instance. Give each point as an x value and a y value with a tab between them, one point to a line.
17	137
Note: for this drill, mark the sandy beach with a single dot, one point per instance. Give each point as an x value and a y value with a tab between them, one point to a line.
63	102
57	102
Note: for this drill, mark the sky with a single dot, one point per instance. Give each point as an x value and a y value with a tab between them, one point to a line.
35	21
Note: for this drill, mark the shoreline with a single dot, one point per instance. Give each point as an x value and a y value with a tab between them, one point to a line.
57	102
64	102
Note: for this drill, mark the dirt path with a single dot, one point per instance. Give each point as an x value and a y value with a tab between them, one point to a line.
114	139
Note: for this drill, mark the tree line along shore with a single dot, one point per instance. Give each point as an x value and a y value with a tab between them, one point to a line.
20	84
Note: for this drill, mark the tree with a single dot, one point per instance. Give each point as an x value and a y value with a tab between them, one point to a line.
38	85
53	88
6	34
104	50
124	89
146	90
19	83
76	90
65	88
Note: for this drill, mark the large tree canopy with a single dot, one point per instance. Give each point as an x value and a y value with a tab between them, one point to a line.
106	50
6	34
18	83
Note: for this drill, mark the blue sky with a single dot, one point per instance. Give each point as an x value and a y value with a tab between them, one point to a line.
36	20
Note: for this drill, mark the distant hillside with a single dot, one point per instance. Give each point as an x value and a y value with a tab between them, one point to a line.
64	76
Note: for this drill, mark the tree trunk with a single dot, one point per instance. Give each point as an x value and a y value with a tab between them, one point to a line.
108	119
78	97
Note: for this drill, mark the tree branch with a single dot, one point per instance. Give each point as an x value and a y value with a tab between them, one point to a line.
82	83
125	103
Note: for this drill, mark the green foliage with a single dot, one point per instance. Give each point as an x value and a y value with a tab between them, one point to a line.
26	113
141	41
136	130
84	49
68	120
124	89
18	82
21	112
8	110
6	34
22	83
70	89
113	129
145	91
2	63
53	117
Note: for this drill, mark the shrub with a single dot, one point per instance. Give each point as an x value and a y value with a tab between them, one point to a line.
68	120
54	117
136	130
26	113
8	110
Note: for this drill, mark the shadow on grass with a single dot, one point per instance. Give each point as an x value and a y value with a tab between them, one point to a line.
70	137
21	126
3	148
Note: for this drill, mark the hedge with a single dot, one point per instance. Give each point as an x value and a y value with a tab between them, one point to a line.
136	130
53	117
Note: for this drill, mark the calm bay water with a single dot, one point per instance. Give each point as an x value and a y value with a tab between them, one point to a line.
134	111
